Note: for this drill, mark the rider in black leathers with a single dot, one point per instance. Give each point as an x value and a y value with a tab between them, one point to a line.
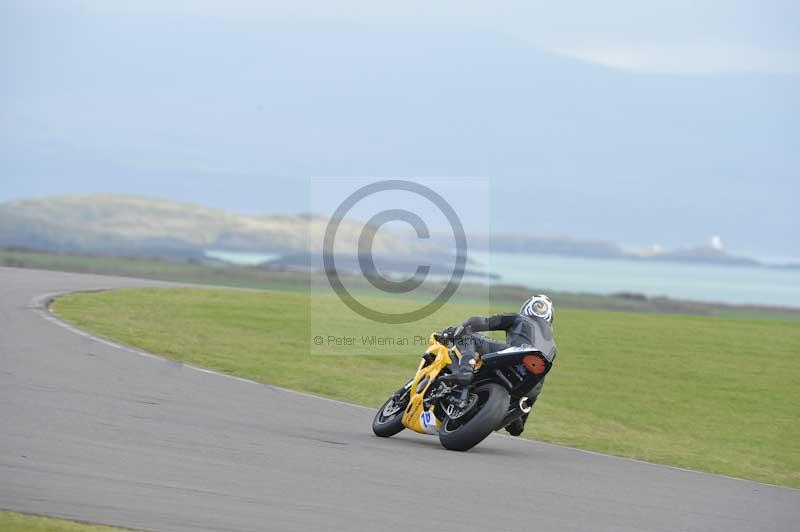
532	326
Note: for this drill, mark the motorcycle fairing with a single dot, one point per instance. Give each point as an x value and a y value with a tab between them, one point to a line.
415	416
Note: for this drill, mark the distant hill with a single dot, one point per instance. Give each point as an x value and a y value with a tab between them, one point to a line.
141	226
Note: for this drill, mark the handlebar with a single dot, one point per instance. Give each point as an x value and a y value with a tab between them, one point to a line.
449	338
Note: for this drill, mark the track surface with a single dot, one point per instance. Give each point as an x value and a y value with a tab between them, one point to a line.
97	433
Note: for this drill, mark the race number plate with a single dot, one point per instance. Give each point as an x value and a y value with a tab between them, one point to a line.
429	422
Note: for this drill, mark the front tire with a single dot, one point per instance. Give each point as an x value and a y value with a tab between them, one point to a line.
388	421
463	434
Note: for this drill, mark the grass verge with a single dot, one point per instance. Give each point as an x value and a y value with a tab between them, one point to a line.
16	522
705	393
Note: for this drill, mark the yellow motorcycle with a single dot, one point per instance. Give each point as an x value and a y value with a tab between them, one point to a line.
433	403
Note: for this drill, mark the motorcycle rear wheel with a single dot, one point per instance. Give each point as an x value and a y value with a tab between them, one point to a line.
463	434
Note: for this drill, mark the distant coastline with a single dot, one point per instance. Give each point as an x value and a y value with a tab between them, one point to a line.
576	293
147	227
598	249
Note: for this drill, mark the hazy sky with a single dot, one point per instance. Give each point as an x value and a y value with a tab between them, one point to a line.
638	122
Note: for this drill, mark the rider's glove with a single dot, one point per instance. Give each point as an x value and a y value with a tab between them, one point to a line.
449	332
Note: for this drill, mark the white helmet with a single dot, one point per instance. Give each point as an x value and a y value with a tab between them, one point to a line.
538	306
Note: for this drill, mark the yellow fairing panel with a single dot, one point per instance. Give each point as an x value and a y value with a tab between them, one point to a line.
416	417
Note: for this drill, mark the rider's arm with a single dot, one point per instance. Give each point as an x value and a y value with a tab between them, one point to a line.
498	322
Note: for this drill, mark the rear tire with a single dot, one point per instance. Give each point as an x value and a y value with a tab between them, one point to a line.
492	403
388	421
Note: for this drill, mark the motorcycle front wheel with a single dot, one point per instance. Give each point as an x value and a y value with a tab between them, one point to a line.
388	420
488	404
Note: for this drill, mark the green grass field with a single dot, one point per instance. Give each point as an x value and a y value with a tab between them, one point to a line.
706	393
15	522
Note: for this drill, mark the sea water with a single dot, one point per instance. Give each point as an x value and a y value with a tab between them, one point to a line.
697	282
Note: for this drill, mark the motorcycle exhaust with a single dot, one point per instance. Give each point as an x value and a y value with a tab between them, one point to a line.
517	412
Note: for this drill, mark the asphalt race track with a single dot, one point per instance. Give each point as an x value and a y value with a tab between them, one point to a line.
93	432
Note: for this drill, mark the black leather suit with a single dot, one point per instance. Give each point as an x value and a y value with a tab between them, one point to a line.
520	331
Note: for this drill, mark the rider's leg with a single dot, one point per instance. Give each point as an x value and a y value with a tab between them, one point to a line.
516	427
534	392
471	346
463	371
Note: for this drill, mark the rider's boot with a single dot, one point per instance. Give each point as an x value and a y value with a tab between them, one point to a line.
465	370
516	427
